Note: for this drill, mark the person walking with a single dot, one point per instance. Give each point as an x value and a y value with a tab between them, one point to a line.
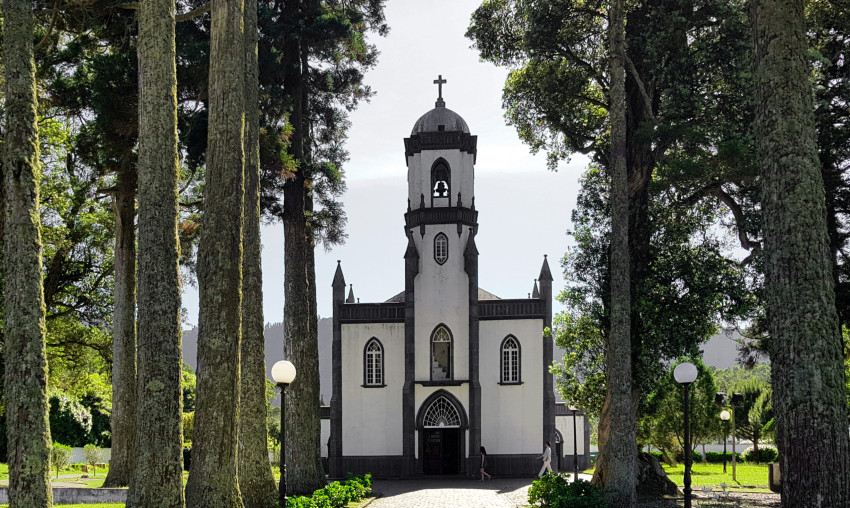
547	460
484	464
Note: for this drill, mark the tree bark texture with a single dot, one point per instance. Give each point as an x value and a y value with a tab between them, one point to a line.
124	334
28	430
157	476
806	351
303	431
621	447
256	481
213	473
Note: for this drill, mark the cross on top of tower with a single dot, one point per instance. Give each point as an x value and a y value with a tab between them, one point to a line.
439	82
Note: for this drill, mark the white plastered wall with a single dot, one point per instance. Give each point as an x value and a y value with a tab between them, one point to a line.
419	176
441	296
372	416
511	415
564	424
423	392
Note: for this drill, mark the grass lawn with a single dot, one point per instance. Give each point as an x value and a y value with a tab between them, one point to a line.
748	475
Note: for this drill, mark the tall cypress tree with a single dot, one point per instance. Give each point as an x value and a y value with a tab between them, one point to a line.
28	431
807	367
212	476
256	481
157	477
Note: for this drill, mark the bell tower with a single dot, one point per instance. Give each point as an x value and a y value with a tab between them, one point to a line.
441	295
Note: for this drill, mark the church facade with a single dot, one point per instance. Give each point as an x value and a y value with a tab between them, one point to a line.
424	379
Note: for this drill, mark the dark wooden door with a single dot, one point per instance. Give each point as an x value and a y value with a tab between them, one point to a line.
441	449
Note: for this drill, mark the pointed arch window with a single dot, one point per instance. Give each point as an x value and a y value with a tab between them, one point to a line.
510	359
440	414
441	354
441	248
440	179
373	364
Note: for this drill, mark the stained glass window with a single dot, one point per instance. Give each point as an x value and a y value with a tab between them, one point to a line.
441	413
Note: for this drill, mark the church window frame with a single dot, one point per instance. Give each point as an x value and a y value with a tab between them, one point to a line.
442	344
510	361
441	173
373	364
441	248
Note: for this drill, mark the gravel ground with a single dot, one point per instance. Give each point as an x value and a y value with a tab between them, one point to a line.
735	499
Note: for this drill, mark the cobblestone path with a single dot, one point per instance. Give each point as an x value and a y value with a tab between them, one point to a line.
451	493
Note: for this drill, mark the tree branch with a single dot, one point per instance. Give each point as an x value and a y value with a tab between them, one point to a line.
647	104
716	190
46	37
194	13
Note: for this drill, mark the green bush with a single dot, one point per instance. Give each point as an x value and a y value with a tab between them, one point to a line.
60	457
680	457
70	421
94	456
765	455
555	491
717	457
336	494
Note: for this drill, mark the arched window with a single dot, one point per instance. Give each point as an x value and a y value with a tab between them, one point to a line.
510	360
440	179
373	363
441	354
441	248
441	413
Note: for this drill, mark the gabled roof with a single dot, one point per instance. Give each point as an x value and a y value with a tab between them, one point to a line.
482	295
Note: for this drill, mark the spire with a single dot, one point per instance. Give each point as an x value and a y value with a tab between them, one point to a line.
350	298
535	293
471	248
411	251
339	279
545	274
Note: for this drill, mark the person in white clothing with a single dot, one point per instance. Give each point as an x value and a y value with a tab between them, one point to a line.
547	460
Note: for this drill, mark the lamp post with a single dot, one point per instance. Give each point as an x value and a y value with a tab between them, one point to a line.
283	373
724	415
685	374
737	398
575	445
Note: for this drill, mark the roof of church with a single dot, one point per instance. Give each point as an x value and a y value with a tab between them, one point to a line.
441	115
482	295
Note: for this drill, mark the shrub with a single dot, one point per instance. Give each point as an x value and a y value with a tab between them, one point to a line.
766	454
60	457
94	456
717	457
555	491
336	494
680	457
70	421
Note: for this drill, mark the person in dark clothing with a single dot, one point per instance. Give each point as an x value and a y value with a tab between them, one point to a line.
484	464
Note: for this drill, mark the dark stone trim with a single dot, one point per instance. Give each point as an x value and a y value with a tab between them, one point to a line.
510	384
519	308
371	313
446	140
398	466
380	466
449	382
365	364
518	465
335	439
441	215
439	235
548	389
408	401
471	268
461	411
451	372
324	412
502	359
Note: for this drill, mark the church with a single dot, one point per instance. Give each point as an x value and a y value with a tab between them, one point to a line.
424	379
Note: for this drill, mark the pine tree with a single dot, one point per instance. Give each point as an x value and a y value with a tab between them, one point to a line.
256	481
28	431
157	475
213	473
807	367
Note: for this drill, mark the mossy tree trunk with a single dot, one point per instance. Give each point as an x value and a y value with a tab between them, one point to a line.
28	431
303	430
256	481
213	473
807	366
157	475
124	334
620	448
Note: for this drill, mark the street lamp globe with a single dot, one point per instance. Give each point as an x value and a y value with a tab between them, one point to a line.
724	415
283	372
685	373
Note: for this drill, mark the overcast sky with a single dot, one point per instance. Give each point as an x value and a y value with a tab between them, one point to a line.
524	209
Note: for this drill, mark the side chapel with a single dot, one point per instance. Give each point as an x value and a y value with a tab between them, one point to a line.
424	379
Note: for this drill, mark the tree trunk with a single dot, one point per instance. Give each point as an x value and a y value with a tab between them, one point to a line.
212	476
256	481
157	476
28	431
124	334
806	351
303	431
621	446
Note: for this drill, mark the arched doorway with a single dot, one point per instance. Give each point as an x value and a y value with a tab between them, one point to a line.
559	448
442	424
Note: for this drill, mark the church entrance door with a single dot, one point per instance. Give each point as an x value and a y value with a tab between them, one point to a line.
442	450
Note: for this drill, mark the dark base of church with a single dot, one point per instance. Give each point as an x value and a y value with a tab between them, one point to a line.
397	467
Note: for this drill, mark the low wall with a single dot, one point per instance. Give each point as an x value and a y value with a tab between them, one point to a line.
63	495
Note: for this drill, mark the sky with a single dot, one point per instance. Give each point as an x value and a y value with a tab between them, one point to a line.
523	208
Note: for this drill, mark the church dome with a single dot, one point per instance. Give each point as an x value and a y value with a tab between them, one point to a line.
440	119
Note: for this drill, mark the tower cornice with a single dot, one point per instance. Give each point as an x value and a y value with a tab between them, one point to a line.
446	140
441	215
